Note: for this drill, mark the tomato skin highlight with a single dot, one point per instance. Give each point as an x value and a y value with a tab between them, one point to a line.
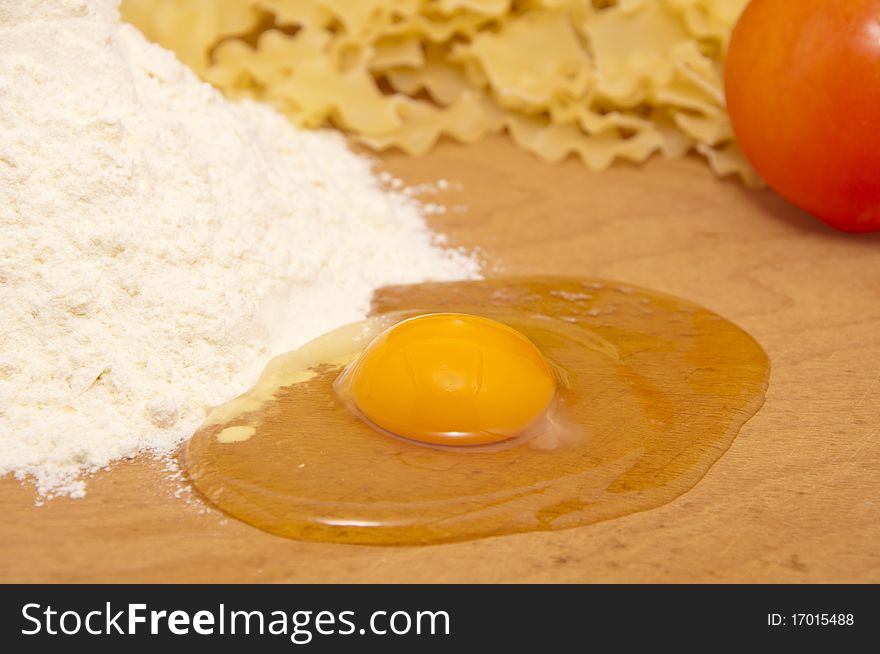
802	79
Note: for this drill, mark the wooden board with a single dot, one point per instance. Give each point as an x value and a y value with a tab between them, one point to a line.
794	500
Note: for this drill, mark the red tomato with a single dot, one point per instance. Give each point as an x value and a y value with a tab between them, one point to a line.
803	89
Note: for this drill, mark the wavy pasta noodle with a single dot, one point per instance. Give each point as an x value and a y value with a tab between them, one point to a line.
520	80
598	80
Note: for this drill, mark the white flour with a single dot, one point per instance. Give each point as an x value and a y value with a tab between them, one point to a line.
158	243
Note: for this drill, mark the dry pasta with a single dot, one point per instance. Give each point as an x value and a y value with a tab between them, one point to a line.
600	80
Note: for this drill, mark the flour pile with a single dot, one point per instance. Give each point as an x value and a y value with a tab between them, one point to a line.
160	243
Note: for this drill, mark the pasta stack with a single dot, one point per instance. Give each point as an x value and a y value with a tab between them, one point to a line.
600	80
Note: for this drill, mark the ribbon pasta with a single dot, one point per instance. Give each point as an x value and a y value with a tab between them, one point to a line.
600	80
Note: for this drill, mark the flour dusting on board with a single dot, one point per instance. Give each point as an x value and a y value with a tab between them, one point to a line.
160	243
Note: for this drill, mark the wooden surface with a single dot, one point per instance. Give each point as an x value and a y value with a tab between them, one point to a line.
794	500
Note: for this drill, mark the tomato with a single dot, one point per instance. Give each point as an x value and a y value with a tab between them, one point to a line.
802	79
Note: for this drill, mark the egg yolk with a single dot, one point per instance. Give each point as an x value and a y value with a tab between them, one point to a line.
452	379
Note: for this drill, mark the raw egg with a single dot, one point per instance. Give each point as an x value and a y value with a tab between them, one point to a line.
473	409
450	379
